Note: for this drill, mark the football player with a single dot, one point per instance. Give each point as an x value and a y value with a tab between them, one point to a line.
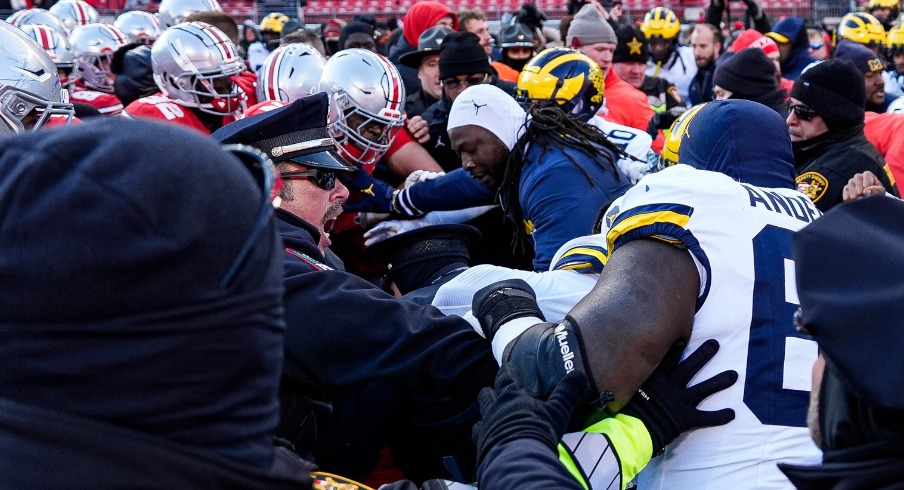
202	79
701	250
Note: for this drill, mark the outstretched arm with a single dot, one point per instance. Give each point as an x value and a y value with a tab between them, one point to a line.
643	303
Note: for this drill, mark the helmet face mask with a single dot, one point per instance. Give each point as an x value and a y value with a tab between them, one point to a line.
30	91
564	76
94	46
366	95
193	63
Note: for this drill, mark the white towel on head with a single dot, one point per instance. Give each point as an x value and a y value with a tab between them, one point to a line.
491	108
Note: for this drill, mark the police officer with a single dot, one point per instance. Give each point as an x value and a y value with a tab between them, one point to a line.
856	405
826	126
380	368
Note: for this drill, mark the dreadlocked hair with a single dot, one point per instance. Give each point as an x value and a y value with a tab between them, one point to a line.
550	127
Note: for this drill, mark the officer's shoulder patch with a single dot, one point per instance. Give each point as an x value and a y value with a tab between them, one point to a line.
307	259
673	92
813	184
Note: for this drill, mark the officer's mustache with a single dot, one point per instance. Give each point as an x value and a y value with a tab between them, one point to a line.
332	213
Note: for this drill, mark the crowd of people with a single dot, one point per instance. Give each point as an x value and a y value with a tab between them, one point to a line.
418	254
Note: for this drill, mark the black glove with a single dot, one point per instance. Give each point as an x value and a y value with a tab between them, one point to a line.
667	407
667	118
503	301
509	412
718	4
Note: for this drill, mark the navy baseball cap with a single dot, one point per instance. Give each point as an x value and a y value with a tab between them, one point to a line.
849	266
295	133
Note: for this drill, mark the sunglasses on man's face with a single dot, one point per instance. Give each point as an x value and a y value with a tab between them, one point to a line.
454	83
803	112
325	179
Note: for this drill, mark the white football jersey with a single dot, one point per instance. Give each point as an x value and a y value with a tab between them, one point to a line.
740	238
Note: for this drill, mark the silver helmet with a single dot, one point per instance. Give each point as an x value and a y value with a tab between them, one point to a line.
30	90
40	17
74	13
139	26
289	73
56	46
173	12
94	46
192	64
366	92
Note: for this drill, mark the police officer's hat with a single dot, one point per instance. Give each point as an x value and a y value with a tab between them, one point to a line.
294	133
429	43
444	243
516	35
849	268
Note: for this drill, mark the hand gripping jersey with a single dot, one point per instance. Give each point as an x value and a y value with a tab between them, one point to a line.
740	238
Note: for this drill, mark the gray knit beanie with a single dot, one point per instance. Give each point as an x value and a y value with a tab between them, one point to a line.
589	27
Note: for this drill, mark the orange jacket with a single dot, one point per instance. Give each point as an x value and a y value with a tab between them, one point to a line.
628	106
886	133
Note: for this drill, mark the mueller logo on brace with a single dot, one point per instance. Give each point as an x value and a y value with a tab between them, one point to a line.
565	348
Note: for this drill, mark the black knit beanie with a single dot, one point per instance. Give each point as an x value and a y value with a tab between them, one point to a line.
834	89
462	54
632	45
748	74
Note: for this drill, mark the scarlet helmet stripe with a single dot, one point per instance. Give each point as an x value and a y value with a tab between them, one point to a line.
223	46
45	39
394	86
272	80
80	15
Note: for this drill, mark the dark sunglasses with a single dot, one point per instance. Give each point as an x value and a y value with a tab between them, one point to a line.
803	112
454	83
799	322
267	178
325	179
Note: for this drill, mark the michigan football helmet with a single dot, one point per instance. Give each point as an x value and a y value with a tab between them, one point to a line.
290	73
94	46
39	17
30	90
366	92
660	23
676	135
74	13
895	42
566	76
139	26
193	63
56	46
173	12
862	28
273	22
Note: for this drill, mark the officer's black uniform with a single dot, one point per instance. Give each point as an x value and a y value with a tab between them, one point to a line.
826	163
385	371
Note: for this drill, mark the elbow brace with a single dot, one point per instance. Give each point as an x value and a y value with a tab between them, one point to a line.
545	353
